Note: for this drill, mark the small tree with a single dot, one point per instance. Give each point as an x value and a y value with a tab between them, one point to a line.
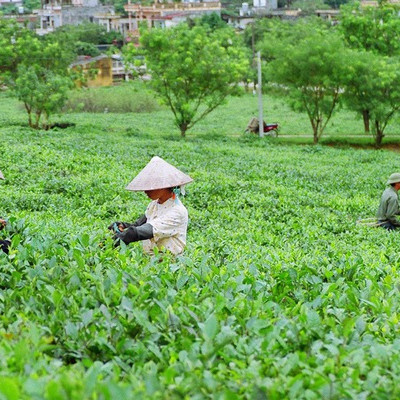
309	71
193	70
372	87
359	82
374	30
41	77
43	93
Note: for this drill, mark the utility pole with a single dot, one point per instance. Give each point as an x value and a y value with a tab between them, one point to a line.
260	103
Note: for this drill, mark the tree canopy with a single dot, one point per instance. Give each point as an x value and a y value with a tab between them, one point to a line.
36	69
375	29
372	87
307	65
193	70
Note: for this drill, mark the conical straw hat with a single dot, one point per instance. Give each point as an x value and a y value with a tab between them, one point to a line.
158	174
1	175
394	178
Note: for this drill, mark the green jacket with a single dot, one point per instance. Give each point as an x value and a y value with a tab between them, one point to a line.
389	207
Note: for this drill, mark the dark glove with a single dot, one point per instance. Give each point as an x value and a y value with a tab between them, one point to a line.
134	234
4	245
140	221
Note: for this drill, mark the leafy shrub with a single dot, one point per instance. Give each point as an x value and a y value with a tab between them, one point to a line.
86	49
119	99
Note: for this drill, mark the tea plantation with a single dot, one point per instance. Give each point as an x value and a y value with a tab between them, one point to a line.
279	293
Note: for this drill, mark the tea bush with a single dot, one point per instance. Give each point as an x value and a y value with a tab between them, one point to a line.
279	293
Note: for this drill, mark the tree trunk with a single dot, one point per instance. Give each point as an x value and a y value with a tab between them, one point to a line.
365	115
315	127
30	119
38	115
378	134
28	110
183	128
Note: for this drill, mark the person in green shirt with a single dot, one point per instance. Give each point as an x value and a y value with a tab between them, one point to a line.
389	205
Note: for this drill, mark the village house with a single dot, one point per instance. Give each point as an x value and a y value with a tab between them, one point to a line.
168	14
259	9
56	13
97	71
112	22
330	15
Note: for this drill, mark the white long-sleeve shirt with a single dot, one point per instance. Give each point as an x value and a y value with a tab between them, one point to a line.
169	221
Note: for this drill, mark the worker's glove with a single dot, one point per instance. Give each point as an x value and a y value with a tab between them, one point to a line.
5	245
134	234
117	226
127	236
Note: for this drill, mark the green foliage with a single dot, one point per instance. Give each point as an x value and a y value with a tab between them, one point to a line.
279	294
374	29
308	7
212	21
336	3
37	71
118	5
10	35
86	49
126	98
42	91
372	88
193	70
254	32
308	64
8	9
30	5
377	31
284	3
89	33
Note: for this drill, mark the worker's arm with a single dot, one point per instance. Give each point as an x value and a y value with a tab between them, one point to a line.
392	210
140	221
134	234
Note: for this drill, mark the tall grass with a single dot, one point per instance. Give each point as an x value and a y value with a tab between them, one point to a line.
127	98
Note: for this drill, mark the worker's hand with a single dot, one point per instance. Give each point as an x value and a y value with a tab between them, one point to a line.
111	226
3	223
118	224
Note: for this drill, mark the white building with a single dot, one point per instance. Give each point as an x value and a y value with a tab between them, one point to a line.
56	13
16	3
167	14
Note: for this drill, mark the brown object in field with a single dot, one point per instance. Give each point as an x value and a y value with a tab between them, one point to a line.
252	126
